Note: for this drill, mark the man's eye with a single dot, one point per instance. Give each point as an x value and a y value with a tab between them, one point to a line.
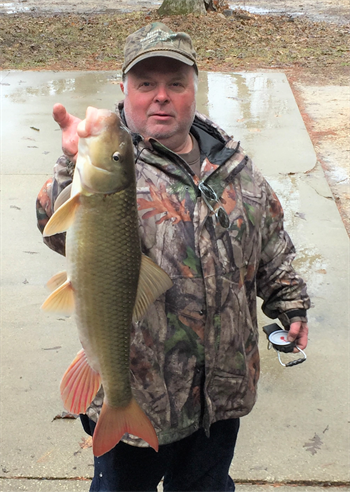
177	85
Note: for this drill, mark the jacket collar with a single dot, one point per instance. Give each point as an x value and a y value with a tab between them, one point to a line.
211	142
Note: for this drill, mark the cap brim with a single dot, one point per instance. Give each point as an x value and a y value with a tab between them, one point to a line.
166	54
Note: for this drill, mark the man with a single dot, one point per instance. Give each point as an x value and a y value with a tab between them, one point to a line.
212	222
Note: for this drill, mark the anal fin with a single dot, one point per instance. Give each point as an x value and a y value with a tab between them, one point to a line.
79	384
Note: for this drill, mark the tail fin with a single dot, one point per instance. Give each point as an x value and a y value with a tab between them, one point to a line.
113	423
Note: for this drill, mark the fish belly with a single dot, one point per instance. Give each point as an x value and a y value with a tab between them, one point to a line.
104	255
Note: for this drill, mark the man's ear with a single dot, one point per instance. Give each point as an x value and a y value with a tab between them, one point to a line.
122	87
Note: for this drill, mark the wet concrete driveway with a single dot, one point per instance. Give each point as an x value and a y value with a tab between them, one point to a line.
299	429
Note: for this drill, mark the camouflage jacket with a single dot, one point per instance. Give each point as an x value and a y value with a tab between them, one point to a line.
220	237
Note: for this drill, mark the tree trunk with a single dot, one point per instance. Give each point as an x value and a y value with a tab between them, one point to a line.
182	7
209	5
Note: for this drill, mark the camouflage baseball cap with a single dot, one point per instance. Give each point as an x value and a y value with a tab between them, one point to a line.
157	39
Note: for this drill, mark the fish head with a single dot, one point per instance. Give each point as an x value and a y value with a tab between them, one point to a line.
105	153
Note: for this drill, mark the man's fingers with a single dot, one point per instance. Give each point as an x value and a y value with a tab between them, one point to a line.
60	114
294	331
68	124
298	332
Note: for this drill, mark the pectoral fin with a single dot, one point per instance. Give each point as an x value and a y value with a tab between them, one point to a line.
79	384
61	300
63	197
153	282
63	218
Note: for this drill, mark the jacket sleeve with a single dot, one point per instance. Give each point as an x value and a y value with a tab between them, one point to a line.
63	175
281	288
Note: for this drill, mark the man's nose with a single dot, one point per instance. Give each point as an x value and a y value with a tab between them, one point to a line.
162	95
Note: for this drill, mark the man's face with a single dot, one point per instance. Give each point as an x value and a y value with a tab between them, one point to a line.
160	100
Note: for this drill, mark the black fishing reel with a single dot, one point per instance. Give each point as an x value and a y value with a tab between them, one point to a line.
277	339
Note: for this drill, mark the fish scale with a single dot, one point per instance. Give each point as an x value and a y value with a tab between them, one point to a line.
109	282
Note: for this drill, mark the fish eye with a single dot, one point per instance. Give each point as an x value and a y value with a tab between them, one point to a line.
116	156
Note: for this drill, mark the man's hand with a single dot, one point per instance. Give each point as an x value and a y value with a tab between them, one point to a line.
68	124
298	331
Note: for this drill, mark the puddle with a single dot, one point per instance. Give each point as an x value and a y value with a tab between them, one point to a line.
13	8
261	11
287	189
311	265
255	108
251	9
73	85
250	103
77	6
330	13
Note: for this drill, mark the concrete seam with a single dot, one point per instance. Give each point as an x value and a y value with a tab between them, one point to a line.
300	483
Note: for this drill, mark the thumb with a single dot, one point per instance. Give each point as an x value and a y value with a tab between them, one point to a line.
294	331
60	115
68	124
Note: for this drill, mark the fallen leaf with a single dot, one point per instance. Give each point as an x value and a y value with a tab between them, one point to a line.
313	445
44	457
65	415
86	442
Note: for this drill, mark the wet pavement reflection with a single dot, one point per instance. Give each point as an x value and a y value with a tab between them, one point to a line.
77	6
257	108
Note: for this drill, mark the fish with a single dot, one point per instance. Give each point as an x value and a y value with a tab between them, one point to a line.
108	283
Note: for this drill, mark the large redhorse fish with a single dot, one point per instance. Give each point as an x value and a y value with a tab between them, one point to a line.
109	283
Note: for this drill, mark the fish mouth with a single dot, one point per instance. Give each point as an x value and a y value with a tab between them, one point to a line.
96	179
95	167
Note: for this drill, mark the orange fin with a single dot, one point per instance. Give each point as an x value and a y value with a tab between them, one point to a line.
113	423
61	300
63	218
56	281
79	384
